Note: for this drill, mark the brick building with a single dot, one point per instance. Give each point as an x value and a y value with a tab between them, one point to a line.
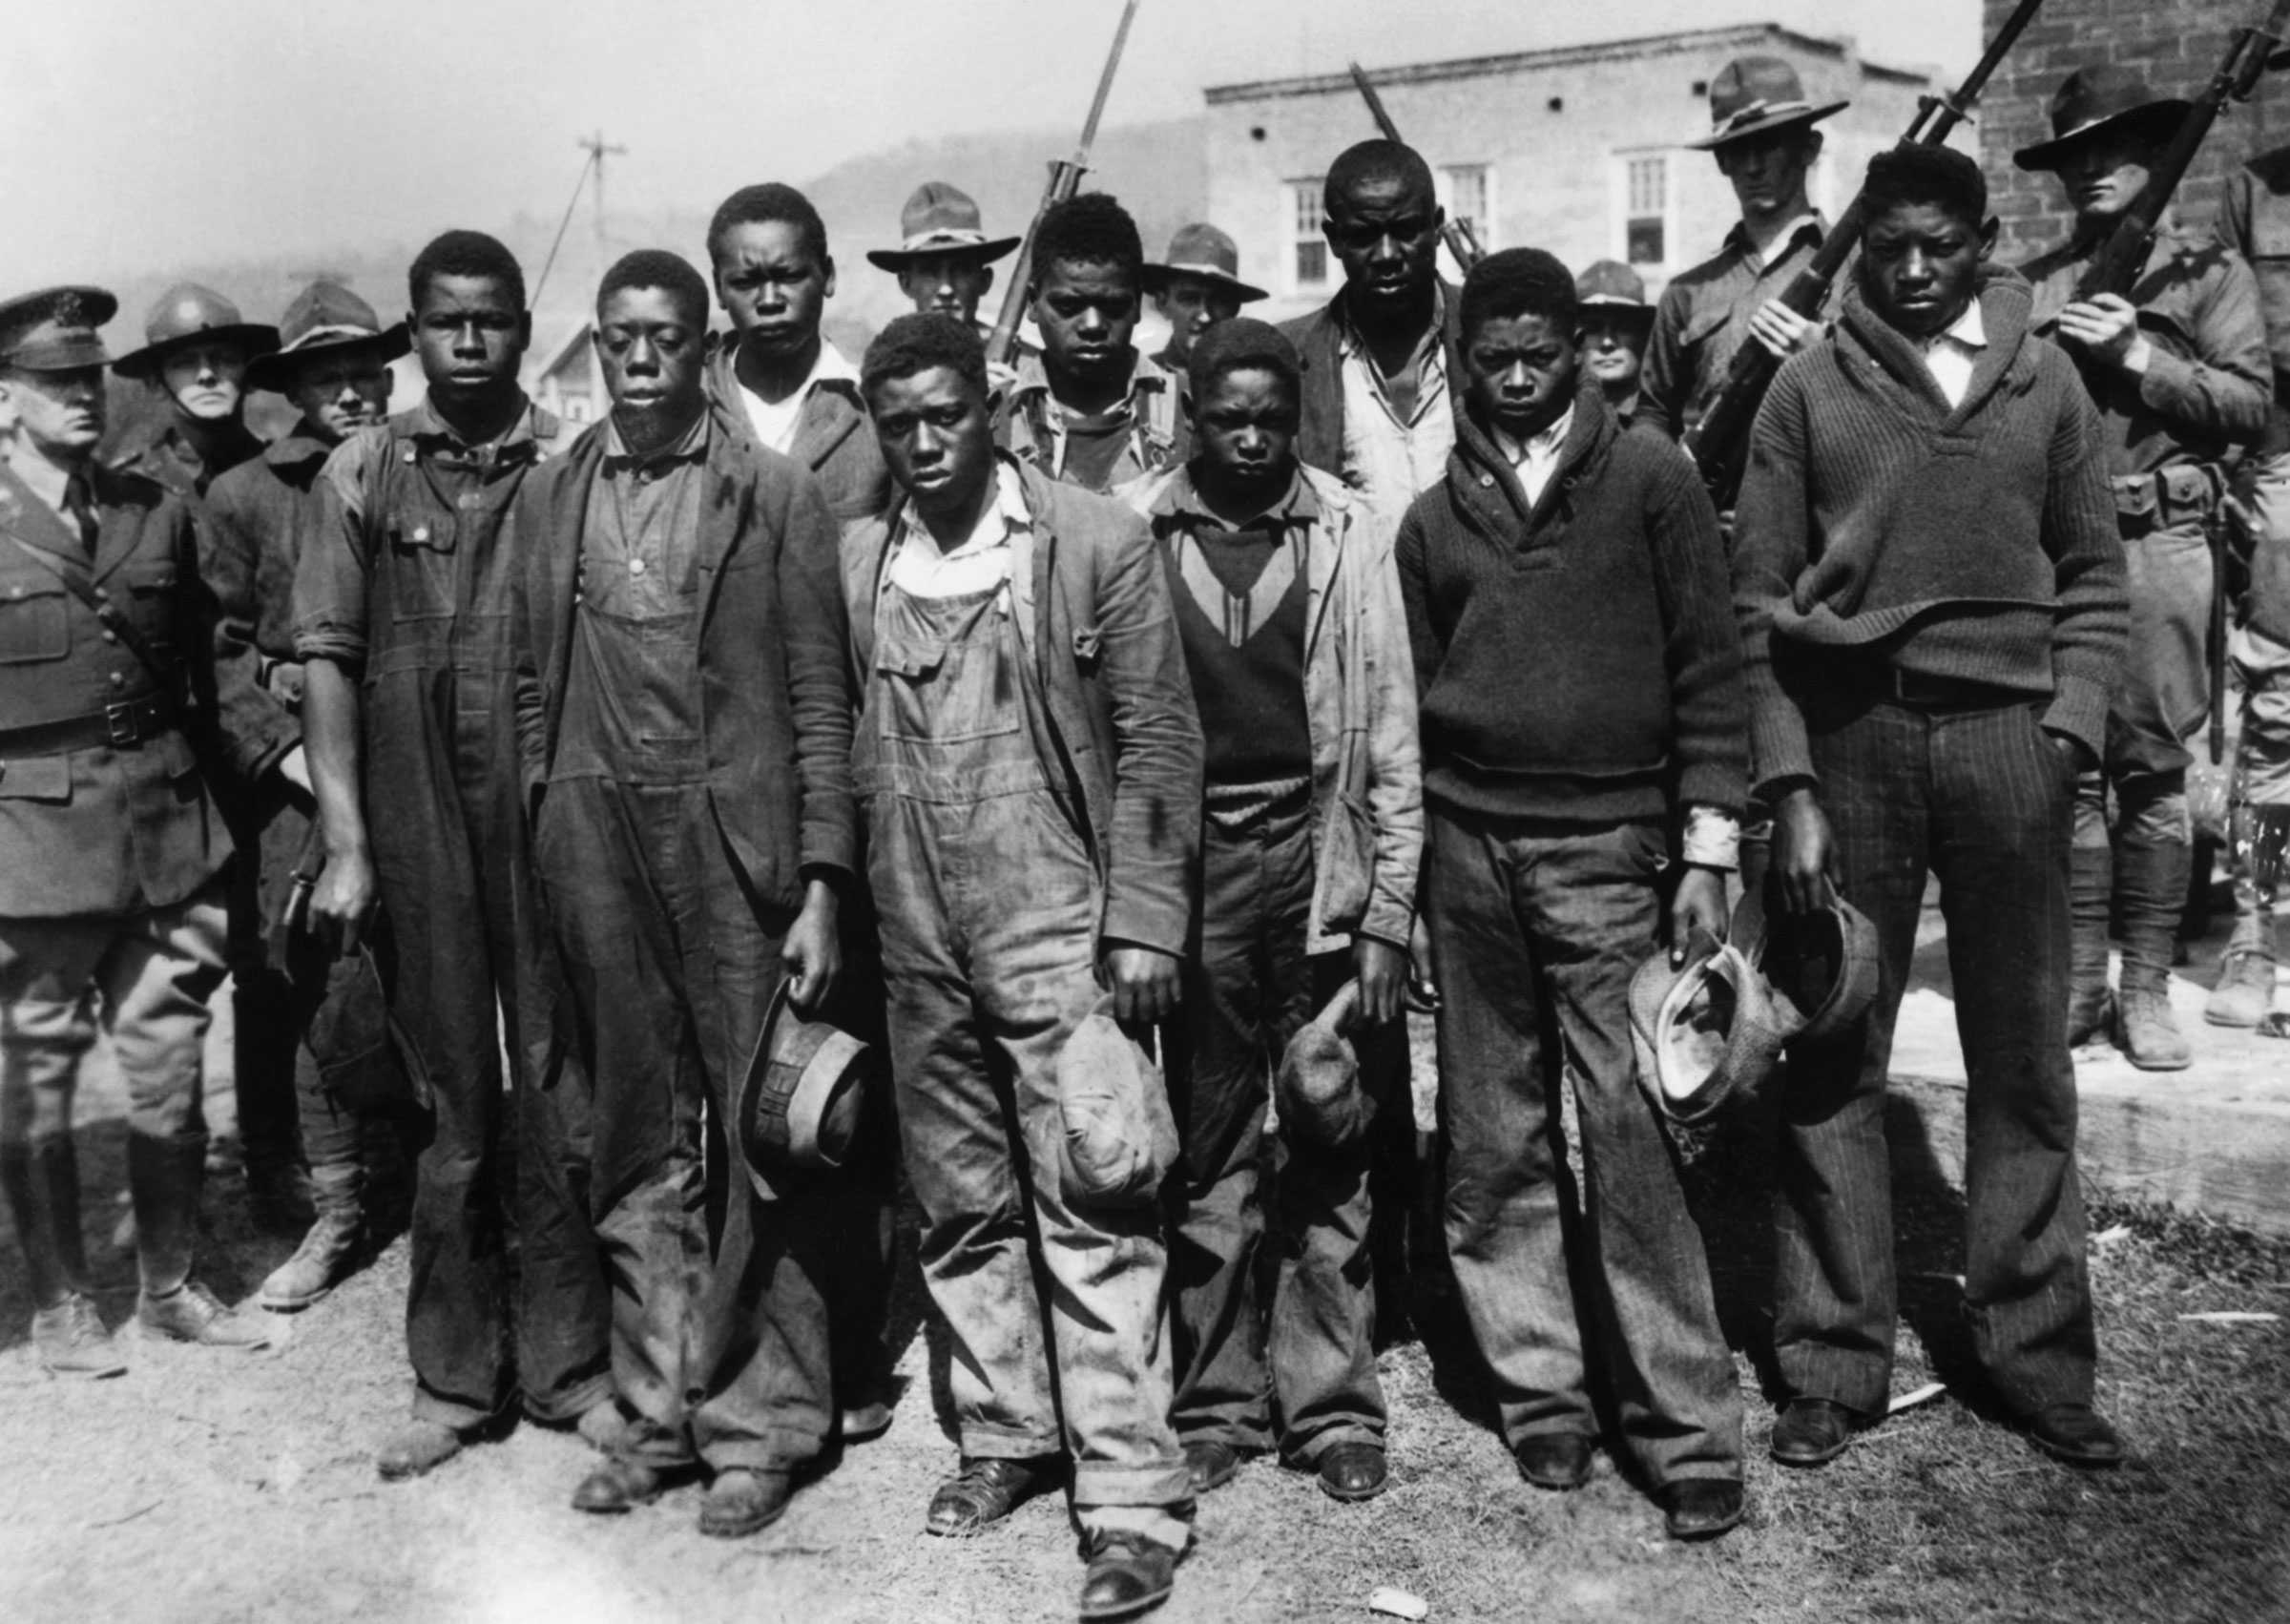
1580	149
2175	44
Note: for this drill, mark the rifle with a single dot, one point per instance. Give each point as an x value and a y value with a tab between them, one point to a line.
1065	179
1462	242
1717	443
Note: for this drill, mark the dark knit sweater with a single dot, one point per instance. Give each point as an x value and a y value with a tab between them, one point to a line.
1879	525
1576	661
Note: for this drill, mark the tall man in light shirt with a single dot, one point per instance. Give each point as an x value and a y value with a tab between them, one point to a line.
1580	683
1029	765
778	374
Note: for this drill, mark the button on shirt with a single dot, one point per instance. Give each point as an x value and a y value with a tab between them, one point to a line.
775	423
921	568
1952	354
1391	460
1538	458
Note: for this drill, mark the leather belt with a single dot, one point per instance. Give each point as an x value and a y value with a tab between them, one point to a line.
120	726
1922	690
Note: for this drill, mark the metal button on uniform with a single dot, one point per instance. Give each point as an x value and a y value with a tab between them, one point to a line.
421	532
15	592
119	678
635	566
110	637
1486	479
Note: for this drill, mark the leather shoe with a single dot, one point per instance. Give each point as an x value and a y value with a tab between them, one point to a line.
984	1491
1128	1575
1554	1460
1353	1472
740	1502
1811	1432
416	1447
863	1423
1210	1463
1702	1508
2077	1434
618	1485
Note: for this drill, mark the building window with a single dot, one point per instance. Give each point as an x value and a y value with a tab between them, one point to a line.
1466	192
1309	261
1646	210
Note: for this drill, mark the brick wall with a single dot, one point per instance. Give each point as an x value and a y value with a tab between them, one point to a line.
2175	44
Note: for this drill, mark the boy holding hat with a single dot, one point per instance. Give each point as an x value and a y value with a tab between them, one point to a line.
114	712
333	364
1615	323
944	261
1764	138
2181	375
196	354
685	729
1195	288
1288	608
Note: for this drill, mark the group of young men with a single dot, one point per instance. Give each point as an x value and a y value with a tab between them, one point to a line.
1005	716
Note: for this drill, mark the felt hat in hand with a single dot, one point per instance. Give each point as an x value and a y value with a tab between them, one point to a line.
1118	1137
796	1106
1318	1084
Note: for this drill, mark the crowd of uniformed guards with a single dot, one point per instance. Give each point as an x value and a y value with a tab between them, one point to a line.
594	797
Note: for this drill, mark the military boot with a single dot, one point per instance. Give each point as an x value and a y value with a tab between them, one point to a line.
325	1254
165	1176
2151	884
42	1185
2090	878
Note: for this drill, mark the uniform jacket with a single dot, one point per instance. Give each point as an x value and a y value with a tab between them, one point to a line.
1367	789
1030	427
115	830
260	514
169	460
1702	320
773	650
2255	221
1125	752
2211	384
834	438
1319	340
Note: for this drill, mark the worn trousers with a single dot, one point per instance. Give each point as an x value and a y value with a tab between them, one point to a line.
475	975
1537	929
719	1328
1248	989
1980	798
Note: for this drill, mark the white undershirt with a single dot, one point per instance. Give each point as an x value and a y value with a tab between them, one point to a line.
775	423
1951	355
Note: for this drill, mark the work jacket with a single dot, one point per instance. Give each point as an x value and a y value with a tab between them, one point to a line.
1123	750
1030	428
1320	343
1368	788
833	437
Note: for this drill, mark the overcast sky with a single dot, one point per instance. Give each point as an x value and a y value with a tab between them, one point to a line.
142	131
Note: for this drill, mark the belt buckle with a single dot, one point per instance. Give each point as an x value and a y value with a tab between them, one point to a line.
123	725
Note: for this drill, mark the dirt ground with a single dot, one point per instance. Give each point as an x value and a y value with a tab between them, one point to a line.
211	1486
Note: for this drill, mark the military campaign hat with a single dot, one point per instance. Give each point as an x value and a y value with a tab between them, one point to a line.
940	218
1608	287
187	312
325	316
2091	100
1201	250
54	330
1753	95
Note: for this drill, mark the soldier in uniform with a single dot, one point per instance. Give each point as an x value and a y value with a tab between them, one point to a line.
401	614
288	994
1088	409
779	376
113	713
1194	287
944	261
1765	144
194	356
1615	323
2181	373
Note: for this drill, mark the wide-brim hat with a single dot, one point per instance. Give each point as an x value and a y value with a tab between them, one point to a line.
1755	95
1824	965
1318	1083
188	313
799	1099
1118	1140
1608	287
940	218
2092	101
54	329
325	318
1704	1029
1201	250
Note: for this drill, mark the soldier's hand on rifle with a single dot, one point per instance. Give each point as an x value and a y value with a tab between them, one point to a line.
1783	330
344	899
2107	326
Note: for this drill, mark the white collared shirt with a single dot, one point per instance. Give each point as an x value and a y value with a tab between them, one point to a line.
1951	355
921	568
775	423
1388	462
1538	458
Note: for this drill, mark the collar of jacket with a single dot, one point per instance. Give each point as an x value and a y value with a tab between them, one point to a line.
1147	376
1173	492
2004	297
572	475
1810	233
830	413
533	429
1486	488
305	443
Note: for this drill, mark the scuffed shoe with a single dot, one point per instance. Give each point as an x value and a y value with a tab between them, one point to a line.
602	1427
71	1340
1210	1462
2245	989
2077	1434
1702	1508
318	1265
1128	1575
191	1314
984	1491
740	1502
1356	1471
2090	1014
417	1448
2147	1033
618	1485
863	1423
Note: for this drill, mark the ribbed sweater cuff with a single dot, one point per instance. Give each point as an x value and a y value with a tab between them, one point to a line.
1777	748
2079	709
1712	783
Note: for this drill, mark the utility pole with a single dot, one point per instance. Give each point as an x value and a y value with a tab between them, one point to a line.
598	152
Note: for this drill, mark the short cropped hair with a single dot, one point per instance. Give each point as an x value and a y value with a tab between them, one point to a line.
464	254
1088	229
769	203
1242	344
659	268
1519	282
1941	176
1372	162
918	341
